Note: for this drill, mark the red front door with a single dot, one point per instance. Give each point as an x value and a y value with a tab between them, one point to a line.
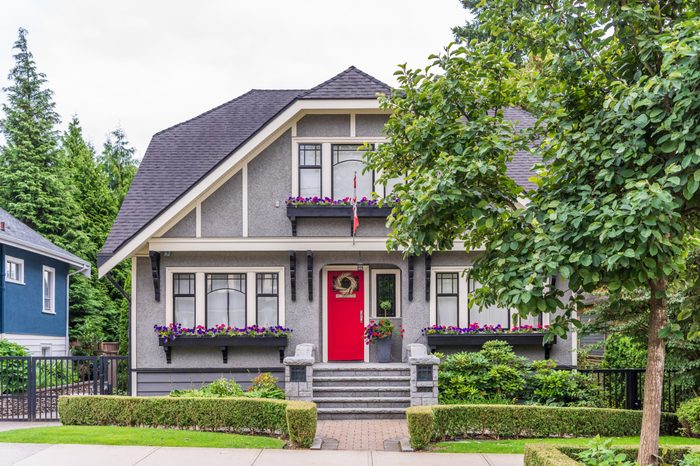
346	301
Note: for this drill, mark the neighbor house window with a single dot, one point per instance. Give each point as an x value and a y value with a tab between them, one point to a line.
447	298
309	170
386	293
226	299
184	299
267	299
348	164
14	270
49	289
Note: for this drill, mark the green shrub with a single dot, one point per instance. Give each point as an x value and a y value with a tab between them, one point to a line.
13	373
240	415
691	459
523	421
600	453
561	388
561	455
622	352
689	417
263	386
301	423
52	373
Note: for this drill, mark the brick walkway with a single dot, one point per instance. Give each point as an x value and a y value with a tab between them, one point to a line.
361	434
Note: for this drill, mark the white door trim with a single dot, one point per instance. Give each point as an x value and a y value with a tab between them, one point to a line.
324	303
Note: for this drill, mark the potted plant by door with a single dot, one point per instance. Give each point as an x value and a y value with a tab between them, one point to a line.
379	333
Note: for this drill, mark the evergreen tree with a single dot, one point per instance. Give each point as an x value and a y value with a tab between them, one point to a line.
119	163
32	178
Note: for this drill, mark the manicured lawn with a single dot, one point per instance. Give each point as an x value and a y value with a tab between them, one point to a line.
516	446
137	436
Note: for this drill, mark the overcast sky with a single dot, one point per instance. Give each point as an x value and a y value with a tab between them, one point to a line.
145	65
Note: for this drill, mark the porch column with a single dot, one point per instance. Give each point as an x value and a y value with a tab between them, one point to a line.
424	375
299	373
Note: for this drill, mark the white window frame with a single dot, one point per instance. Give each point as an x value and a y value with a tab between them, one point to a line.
326	159
201	296
374	291
20	266
52	271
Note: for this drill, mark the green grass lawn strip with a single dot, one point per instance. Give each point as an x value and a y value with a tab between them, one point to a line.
517	445
104	435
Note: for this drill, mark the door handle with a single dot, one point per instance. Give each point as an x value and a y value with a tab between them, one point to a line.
362	315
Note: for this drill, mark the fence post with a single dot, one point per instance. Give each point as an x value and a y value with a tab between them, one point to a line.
31	388
631	389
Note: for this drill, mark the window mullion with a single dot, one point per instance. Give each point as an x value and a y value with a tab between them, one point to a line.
251	299
326	170
200	297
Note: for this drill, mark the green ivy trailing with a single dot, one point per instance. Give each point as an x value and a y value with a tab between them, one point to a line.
426	424
296	419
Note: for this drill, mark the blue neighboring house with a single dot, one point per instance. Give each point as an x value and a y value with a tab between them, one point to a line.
34	288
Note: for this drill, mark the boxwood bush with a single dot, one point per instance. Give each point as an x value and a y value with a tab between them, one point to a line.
295	419
431	423
689	417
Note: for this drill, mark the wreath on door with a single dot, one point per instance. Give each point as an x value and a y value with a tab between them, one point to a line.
345	284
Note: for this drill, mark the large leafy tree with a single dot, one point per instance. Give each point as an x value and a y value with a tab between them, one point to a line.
616	89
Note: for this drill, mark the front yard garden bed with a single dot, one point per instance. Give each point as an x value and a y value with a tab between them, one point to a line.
295	420
550	455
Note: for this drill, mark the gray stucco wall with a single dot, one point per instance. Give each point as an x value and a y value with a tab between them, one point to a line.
302	315
222	211
269	186
341	227
370	125
185	228
324	126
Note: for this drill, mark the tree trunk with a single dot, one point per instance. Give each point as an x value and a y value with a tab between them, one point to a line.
654	377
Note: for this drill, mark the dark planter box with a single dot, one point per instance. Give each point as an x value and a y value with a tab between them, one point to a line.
333	211
223	343
514	339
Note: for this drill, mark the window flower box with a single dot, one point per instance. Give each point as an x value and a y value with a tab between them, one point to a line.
221	337
325	207
474	335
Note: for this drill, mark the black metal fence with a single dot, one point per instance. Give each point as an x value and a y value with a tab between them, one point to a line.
624	388
30	386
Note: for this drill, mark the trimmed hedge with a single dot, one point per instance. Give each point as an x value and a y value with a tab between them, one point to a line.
296	419
553	455
432	423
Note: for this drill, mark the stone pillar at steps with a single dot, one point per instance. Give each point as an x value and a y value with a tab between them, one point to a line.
424	375
299	373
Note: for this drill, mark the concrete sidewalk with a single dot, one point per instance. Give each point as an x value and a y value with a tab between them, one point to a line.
28	454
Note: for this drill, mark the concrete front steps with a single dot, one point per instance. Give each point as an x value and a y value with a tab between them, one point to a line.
361	391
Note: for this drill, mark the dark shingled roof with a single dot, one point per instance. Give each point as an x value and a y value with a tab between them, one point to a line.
18	234
178	157
520	168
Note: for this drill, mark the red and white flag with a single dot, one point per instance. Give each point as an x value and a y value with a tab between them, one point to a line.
355	218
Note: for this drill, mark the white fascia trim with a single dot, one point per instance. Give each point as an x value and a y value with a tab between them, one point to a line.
18	243
266	135
275	244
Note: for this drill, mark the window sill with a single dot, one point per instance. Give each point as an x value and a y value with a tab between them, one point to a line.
16	282
53	313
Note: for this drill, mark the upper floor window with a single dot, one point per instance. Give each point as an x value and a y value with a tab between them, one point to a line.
184	299
310	170
14	270
226	299
49	289
267	299
347	164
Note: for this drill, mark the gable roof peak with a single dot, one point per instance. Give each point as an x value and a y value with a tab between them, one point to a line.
351	83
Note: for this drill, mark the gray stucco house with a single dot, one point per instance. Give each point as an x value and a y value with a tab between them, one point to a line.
213	240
